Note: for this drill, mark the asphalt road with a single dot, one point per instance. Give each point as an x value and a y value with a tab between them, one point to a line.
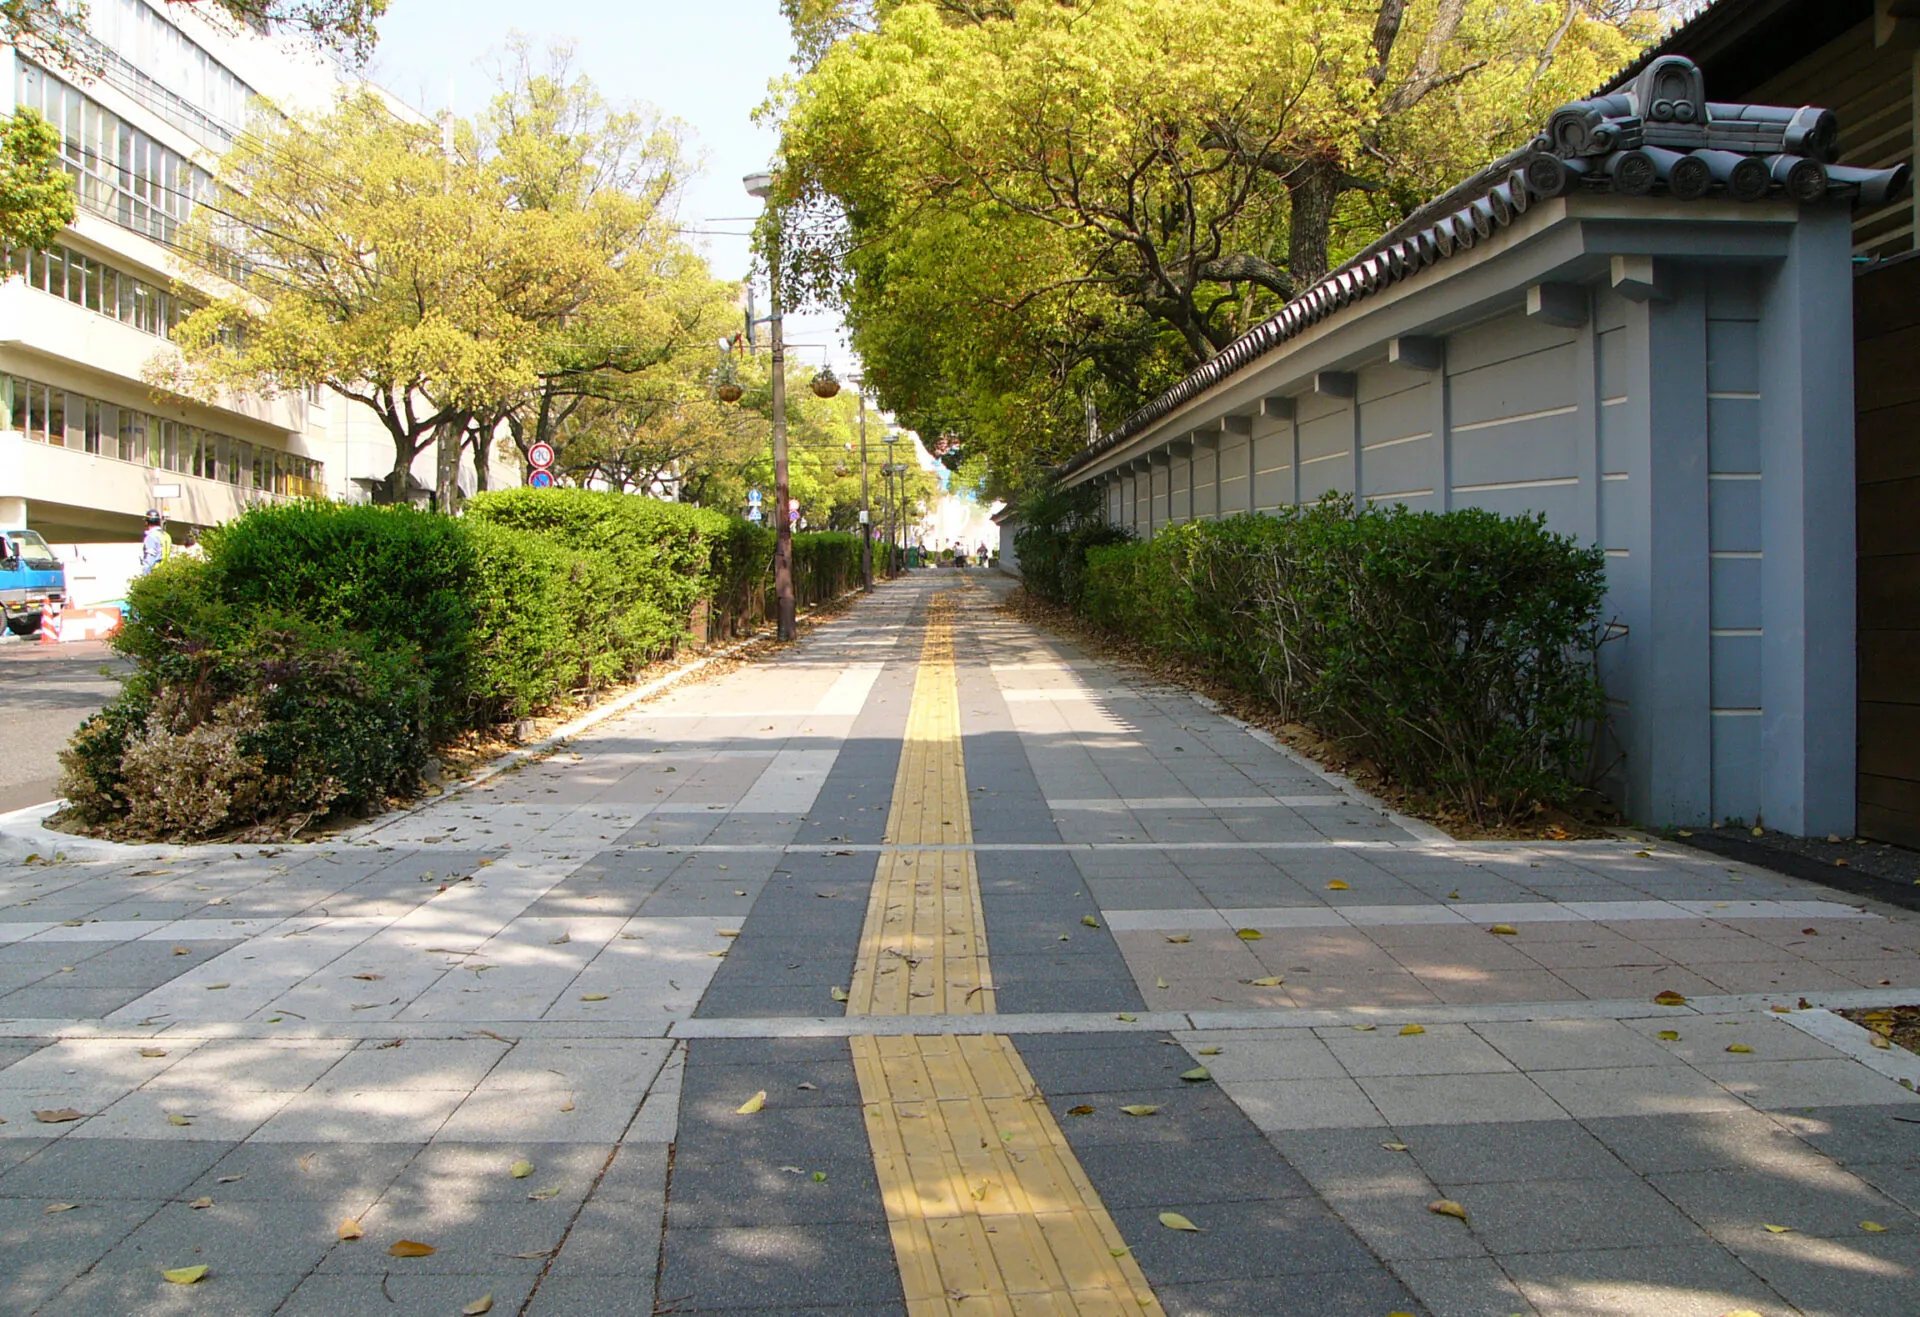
45	692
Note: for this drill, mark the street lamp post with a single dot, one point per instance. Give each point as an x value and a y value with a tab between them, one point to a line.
761	185
893	503
866	511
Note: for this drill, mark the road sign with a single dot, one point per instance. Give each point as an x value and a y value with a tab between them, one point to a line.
540	455
753	497
541	479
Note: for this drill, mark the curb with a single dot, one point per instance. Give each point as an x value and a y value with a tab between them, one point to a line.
22	833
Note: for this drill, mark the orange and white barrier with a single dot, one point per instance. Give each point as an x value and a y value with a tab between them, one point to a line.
58	625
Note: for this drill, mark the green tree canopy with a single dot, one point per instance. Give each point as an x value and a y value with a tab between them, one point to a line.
1038	213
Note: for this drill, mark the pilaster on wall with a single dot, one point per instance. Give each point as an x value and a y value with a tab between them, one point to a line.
1808	674
1660	587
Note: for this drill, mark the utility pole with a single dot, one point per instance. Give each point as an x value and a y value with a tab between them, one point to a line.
866	509
761	185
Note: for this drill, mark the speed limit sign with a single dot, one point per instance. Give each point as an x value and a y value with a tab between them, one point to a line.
540	455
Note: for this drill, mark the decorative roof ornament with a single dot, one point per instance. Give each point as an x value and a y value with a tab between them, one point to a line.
1659	137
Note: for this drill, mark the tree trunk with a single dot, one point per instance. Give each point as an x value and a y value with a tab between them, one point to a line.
1312	190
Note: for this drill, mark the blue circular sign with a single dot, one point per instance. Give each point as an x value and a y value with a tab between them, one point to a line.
541	479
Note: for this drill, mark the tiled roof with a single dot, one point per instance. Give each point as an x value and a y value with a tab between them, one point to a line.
1661	136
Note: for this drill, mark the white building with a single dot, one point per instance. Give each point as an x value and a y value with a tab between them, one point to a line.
85	445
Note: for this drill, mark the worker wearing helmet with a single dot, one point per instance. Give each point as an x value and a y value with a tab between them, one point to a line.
156	544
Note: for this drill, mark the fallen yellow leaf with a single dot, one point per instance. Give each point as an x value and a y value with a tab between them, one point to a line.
752	1104
1174	1221
1668	997
1741	1048
1407	1031
350	1229
1197	1075
1776	1230
52	1208
1337	885
411	1248
1872	1227
520	1170
1207	1051
541	1195
726	932
593	996
1248	934
186	1275
1394	1147
58	1116
1089	921
1140	1109
1505	930
1161	983
1269	981
1180	937
1879	1042
838	994
200	1204
567	1105
1363	1028
1668	1035
1447	1207
1126	1018
1082	1110
482	1304
151	1052
175	1118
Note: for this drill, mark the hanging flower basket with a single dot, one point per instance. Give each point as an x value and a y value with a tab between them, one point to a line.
826	384
728	391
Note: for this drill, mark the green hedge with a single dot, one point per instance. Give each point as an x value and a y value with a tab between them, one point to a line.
1055	530
1454	650
313	658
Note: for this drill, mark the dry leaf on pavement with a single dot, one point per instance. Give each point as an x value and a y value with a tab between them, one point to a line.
59	1116
186	1275
1174	1221
1197	1075
350	1229
1408	1031
1776	1230
1337	885
200	1204
1140	1109
411	1248
1248	934
52	1208
1266	981
152	1052
752	1104
593	996
1447	1207
482	1304
1740	1048
1505	930
1180	937
521	1170
1668	997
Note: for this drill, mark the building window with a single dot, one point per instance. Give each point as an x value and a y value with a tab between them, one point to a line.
61	418
87	281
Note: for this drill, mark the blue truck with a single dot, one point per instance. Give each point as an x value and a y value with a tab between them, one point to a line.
31	579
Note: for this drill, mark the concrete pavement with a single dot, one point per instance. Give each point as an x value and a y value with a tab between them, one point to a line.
45	692
1036	963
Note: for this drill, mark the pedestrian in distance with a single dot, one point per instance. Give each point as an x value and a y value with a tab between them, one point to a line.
156	545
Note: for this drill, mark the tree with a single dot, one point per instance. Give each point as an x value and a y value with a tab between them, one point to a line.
643	338
387	269
1030	208
36	195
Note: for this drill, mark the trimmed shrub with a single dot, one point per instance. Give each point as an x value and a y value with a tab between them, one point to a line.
1455	650
826	564
1057	529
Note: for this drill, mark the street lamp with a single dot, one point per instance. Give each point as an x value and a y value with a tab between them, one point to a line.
893	501
761	185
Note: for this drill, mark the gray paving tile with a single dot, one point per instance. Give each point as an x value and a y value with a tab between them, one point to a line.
45	1253
792	1186
400	1294
1242	1241
1733	1205
242	1294
1546	1216
638	1173
1202	1171
236	1237
1720	1141
340	1173
613	1238
1503	1152
778	1268
1693	1280
73	1169
1463	1287
1343	1293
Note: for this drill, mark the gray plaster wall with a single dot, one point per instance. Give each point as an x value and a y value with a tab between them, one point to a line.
1701	436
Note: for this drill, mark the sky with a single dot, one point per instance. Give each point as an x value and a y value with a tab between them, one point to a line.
705	62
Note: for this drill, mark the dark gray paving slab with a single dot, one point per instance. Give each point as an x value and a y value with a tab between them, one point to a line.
1326	1294
594	1294
44	1253
1544	1216
778	1268
114	1291
400	1293
349	1175
1502	1151
1687	1280
72	1169
285	1238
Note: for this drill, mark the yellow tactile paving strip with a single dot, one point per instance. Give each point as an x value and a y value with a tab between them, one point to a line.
923	950
989	1211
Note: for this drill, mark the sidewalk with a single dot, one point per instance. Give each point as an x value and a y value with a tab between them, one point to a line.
1035	962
